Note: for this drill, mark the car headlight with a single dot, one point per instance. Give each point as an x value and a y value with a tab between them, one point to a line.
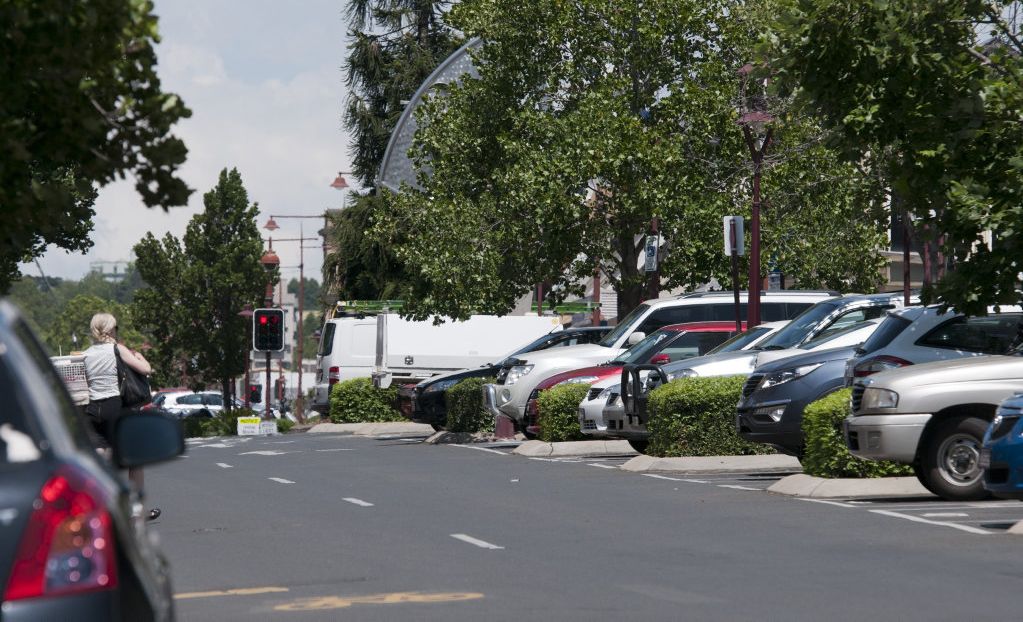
608	392
682	373
440	385
516	373
786	375
878	398
578	380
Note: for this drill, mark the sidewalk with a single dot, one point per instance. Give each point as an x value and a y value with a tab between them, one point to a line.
372	429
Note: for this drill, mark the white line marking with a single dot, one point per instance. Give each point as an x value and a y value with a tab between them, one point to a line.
278	442
945	514
224	465
493	451
475	542
676	479
280	480
358	502
736	486
603	466
838	503
917	519
267	452
335	450
547	459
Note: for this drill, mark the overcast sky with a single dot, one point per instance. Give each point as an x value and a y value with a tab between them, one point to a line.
264	81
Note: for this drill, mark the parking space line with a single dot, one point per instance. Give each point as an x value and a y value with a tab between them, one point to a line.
917	519
224	465
476	542
825	502
358	502
737	487
945	515
676	479
487	449
245	591
603	466
335	449
280	480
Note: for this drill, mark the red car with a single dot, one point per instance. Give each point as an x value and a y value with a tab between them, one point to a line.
665	345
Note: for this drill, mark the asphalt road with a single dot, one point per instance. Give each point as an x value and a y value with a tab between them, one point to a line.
323	527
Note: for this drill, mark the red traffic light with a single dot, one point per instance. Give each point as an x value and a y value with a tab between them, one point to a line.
263	319
268	330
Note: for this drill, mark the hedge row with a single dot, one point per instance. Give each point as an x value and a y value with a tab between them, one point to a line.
466	412
358	401
559	412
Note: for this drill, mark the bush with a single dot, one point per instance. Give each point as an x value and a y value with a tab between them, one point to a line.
193	427
466	412
696	417
224	423
826	452
284	424
559	412
358	401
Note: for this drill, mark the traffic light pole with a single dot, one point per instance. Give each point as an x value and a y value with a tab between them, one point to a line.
266	390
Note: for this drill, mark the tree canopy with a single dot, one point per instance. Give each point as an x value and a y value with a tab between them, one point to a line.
82	107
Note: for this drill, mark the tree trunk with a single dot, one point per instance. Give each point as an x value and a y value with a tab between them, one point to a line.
225	387
632	288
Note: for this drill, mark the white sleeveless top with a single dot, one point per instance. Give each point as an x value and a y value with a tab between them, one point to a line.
101	371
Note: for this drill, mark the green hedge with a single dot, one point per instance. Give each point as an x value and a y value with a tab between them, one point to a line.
466	412
358	401
826	452
696	417
559	412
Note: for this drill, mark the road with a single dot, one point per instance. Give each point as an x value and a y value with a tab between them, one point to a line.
323	527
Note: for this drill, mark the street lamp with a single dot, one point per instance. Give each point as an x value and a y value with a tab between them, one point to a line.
754	119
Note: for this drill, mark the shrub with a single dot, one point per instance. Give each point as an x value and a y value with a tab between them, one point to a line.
358	401
284	424
193	427
696	417
224	423
466	412
559	412
826	452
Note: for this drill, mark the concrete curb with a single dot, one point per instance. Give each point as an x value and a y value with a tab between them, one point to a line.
1017	529
451	438
802	485
713	464
540	449
371	429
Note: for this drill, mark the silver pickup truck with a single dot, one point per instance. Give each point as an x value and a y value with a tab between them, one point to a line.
933	416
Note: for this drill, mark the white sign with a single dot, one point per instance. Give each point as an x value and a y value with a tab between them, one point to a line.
651	254
249	426
268	428
740	241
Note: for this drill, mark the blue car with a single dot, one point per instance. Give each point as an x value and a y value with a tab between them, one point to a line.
1002	454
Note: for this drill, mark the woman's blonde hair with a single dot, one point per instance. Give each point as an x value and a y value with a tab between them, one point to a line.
103	326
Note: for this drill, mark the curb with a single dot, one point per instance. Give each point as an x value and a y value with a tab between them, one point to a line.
808	486
371	429
713	464
567	449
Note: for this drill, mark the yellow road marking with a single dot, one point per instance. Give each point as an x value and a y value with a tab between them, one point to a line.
243	591
337	602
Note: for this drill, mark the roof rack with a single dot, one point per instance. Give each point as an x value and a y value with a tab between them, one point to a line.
363	307
570	308
763	292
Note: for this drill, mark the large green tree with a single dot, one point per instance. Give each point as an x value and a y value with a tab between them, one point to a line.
931	91
198	287
82	106
593	120
70	329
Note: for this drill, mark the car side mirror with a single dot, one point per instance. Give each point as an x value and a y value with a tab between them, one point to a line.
635	338
141	439
660	359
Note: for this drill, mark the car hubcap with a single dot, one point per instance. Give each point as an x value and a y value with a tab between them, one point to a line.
960	459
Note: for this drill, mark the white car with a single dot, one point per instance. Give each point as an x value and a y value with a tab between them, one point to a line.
198	404
924	334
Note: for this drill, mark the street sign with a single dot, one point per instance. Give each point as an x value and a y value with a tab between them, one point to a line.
651	254
268	330
739	243
248	426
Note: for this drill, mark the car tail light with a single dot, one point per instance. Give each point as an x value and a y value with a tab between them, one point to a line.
333	376
660	359
879	364
68	544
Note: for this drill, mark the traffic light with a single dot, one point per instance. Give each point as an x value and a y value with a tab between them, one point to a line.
255	393
268	330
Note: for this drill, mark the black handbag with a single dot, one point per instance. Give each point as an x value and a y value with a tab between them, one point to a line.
134	386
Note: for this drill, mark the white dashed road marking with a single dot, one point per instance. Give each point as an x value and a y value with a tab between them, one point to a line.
335	450
358	502
224	465
475	542
280	480
267	452
945	514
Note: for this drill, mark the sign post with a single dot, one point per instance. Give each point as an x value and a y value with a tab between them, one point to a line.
735	245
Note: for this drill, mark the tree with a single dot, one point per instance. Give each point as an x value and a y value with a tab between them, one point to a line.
74	320
199	287
590	123
82	107
931	91
312	293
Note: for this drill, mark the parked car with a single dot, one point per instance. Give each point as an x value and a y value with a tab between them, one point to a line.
605	393
75	542
923	334
188	403
1001	457
670	343
427	399
933	416
508	395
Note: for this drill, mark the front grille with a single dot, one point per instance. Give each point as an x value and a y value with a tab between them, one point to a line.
589	424
593	393
751	385
857	397
1004	426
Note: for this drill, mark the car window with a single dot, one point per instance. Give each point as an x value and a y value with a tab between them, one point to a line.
833	334
890	328
19	439
625	325
214	399
992	334
192	399
796	330
643	350
738	341
160	399
693	344
327	339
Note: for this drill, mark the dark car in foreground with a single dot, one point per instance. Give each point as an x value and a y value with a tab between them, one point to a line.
428	403
74	543
1002	453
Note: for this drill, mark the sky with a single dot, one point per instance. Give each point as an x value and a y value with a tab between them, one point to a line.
265	84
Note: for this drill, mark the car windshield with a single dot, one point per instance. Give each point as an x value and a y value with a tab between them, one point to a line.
624	326
644	349
829	336
741	340
885	333
19	440
796	330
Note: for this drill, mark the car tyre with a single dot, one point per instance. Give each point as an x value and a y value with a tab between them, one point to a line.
950	461
639	446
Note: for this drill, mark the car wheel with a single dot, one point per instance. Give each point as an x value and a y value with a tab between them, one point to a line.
950	461
639	446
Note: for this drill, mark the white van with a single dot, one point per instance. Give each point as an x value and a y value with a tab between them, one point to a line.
413	351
